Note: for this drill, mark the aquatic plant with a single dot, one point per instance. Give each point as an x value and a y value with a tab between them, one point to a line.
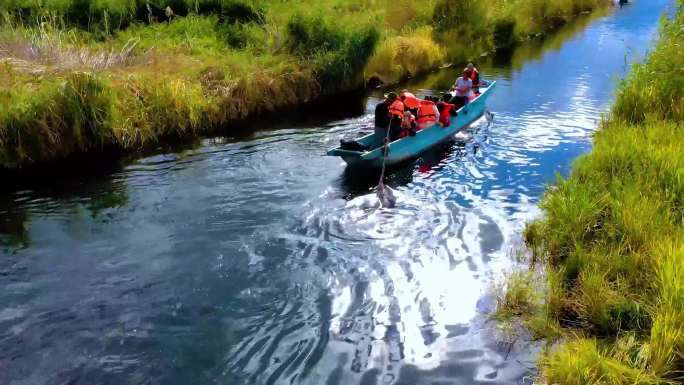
518	296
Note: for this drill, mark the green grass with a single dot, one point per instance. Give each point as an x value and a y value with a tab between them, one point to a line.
654	91
82	75
519	296
582	361
612	238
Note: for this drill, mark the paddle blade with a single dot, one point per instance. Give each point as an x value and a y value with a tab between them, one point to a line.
489	117
386	196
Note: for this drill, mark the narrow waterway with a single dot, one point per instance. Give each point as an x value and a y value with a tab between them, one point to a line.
257	260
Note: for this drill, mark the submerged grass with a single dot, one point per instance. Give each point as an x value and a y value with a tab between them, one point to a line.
612	238
81	75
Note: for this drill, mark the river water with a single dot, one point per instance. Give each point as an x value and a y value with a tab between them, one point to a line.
257	260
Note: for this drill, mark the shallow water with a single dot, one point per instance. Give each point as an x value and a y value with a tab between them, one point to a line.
257	260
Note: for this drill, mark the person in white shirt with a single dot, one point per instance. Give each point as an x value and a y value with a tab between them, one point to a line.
464	88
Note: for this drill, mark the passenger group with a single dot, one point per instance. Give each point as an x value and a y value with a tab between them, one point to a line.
405	114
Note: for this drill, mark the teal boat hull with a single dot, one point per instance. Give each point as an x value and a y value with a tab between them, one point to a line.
411	147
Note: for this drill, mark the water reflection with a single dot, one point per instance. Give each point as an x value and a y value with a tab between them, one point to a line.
257	260
14	228
65	201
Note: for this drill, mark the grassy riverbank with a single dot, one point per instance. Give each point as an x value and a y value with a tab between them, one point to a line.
78	76
611	241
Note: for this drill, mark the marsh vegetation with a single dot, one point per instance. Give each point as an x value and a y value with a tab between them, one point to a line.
79	75
611	240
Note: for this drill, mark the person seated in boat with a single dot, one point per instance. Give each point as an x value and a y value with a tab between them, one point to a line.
408	125
410	101
427	113
382	114
397	112
474	75
463	87
446	110
389	114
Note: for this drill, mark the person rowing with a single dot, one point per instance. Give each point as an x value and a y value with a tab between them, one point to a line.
389	114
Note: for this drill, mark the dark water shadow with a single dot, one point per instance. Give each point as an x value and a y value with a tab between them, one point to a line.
79	167
311	115
14	229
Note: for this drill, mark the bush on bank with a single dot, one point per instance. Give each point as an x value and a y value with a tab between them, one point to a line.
399	57
612	238
340	53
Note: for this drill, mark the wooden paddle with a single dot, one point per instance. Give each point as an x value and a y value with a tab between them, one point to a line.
384	193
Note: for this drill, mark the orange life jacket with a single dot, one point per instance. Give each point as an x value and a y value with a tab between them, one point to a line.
426	112
475	75
397	109
410	100
445	115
